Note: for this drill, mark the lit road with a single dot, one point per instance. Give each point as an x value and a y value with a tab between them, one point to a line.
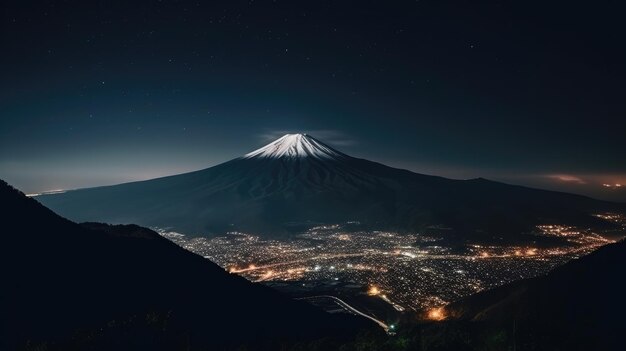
420	256
324	257
349	308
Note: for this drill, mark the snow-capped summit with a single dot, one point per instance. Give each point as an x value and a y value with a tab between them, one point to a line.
295	146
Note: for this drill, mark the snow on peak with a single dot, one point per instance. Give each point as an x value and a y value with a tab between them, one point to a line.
294	146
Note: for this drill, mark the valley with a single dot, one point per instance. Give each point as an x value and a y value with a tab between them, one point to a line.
406	272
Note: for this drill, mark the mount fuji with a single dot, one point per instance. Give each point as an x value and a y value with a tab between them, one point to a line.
298	181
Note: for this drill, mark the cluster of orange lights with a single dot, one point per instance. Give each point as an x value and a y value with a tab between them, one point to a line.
617	185
519	253
240	270
267	274
373	290
437	314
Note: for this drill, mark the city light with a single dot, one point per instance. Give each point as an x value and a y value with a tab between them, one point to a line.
437	314
409	272
373	291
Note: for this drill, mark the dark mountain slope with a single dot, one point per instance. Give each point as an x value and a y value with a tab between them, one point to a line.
578	306
298	179
128	288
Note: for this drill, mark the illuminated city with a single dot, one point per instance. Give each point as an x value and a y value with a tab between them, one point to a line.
410	272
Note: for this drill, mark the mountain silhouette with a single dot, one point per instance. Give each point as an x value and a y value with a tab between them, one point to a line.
98	286
297	181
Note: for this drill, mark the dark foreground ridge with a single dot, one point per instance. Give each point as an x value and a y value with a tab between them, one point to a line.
96	286
578	306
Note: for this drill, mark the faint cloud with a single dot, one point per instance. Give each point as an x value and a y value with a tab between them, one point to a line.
328	136
567	178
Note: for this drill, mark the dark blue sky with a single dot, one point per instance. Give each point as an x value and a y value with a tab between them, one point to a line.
103	92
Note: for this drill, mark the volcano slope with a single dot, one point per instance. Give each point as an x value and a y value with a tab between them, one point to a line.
298	181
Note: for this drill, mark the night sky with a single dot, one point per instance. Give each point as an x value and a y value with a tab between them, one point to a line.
99	92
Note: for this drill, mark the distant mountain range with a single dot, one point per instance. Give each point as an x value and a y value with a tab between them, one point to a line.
578	306
96	286
298	181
